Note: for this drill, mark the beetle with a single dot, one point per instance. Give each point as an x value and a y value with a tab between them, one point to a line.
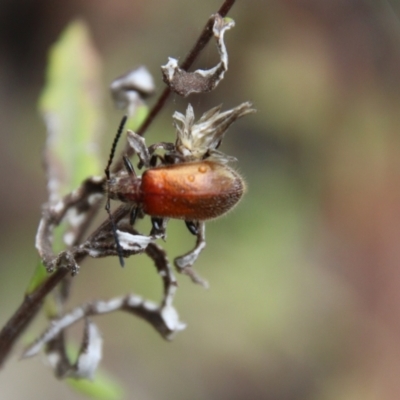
192	191
192	183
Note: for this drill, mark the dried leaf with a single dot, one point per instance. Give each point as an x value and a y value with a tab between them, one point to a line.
131	89
38	277
102	387
90	353
196	139
200	81
70	106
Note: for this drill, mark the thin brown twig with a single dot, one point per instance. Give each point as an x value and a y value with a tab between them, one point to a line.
32	303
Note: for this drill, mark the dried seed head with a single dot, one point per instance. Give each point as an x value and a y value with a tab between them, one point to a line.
195	140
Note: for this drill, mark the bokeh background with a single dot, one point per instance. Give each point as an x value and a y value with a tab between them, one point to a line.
305	274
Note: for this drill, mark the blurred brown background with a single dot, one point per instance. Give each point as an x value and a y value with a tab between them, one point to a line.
305	274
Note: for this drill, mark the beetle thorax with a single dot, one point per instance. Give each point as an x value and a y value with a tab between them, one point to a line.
125	188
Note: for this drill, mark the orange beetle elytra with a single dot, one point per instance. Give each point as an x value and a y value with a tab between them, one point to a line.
196	191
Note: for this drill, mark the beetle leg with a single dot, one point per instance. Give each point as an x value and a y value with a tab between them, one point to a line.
157	223
168	147
193	227
173	157
133	215
154	158
129	166
158	227
184	263
162	145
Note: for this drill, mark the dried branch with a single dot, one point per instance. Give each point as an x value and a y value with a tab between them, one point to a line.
163	317
184	263
165	320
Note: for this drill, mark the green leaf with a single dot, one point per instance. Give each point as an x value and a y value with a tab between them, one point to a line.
103	387
39	276
70	105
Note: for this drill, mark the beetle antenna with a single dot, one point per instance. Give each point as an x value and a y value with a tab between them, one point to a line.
114	145
107	172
